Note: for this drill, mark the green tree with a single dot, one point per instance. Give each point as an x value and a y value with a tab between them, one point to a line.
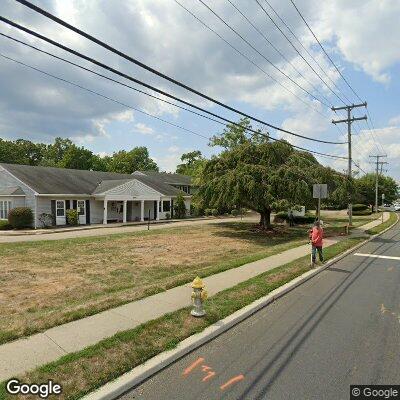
191	163
127	162
237	134
366	187
259	174
9	152
262	177
77	158
55	152
31	153
179	206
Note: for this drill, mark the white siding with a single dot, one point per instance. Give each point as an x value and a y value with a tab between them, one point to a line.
96	211
7	180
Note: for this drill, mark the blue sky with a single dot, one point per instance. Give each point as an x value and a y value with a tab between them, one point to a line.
362	38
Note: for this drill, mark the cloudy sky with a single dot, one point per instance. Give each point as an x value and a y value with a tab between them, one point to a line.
361	36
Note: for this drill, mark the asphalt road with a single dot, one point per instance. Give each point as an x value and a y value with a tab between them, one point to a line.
340	328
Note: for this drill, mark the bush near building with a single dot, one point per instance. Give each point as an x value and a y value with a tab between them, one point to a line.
20	217
72	217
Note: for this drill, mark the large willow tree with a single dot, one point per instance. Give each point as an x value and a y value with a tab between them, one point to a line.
259	174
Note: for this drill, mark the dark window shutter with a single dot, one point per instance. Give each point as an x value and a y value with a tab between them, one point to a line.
53	211
172	208
88	212
74	204
67	205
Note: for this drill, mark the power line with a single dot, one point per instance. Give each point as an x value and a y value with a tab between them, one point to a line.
337	69
131	59
306	50
261	54
323	49
102	95
115	71
110	79
297	51
277	50
155	97
246	57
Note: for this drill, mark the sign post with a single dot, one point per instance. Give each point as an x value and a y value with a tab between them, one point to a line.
320	191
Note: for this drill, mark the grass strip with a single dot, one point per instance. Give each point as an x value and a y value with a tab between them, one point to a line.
81	372
379	228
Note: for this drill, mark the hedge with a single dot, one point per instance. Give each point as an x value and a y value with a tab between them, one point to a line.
362	212
4	225
360	207
20	217
283	216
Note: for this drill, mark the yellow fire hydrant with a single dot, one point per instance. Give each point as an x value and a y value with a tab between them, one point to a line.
199	295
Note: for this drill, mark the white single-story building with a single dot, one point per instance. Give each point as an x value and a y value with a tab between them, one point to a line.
99	197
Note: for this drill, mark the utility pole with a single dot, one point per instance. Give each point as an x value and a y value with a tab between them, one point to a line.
349	120
378	163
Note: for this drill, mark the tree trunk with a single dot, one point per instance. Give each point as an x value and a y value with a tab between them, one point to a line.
265	219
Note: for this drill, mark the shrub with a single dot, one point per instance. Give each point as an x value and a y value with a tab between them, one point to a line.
72	217
360	207
179	207
208	211
235	212
4	225
214	212
362	212
46	220
283	216
168	215
20	217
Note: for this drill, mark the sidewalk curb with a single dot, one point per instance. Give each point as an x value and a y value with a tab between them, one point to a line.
144	371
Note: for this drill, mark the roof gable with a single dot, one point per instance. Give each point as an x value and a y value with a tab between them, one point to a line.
12	191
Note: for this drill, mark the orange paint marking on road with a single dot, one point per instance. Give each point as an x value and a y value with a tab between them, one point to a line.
232	381
191	367
209	375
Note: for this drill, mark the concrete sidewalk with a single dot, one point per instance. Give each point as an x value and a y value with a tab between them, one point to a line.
25	354
372	224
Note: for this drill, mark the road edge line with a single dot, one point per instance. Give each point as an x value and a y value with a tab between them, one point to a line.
139	374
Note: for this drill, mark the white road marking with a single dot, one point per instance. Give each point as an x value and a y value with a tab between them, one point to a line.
376	256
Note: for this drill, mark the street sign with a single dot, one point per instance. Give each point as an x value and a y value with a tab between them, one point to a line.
320	191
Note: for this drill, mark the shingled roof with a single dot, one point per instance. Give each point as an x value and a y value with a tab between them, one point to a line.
167	177
50	180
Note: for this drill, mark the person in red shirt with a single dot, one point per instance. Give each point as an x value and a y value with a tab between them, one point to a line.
316	237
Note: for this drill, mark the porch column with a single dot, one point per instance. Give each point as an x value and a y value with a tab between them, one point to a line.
124	212
142	210
158	210
105	212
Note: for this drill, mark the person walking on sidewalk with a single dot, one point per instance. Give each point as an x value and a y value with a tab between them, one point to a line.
316	237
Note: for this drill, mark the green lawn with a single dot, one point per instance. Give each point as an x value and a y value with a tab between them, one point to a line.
43	284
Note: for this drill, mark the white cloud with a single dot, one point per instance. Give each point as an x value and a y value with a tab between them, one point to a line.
395	121
144	129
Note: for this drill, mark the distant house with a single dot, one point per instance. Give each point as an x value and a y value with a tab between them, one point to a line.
99	197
